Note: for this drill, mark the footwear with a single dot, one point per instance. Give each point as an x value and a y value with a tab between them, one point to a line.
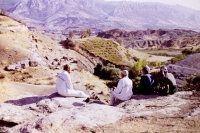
87	100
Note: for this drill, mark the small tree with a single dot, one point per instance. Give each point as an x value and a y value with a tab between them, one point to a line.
83	34
69	43
71	34
3	11
89	32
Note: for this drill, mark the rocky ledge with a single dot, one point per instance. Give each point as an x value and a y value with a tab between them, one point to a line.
54	113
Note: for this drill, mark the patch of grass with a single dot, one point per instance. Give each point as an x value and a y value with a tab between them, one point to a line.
161	52
178	58
156	64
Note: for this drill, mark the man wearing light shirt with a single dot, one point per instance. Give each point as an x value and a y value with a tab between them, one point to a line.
64	85
123	91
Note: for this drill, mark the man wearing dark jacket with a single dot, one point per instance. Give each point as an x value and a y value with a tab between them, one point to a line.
147	81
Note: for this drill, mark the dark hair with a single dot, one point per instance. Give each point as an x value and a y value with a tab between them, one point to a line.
146	69
146	72
66	67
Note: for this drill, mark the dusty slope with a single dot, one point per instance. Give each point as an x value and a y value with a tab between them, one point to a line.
17	44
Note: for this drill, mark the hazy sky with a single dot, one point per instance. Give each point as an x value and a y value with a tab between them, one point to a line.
195	4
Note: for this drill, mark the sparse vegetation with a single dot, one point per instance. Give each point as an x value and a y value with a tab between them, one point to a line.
178	58
71	34
83	34
2	75
89	86
190	51
155	64
89	32
192	84
69	43
185	53
3	12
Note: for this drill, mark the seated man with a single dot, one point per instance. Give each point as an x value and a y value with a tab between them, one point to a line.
169	84
64	85
147	81
123	91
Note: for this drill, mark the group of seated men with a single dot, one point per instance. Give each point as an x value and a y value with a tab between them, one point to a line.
165	83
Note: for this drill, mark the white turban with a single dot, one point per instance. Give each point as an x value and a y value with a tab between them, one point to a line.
125	72
164	69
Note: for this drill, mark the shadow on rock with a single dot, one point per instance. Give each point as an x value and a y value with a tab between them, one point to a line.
31	100
78	104
136	97
97	102
139	97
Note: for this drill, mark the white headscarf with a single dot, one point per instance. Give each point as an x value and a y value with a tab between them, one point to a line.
125	72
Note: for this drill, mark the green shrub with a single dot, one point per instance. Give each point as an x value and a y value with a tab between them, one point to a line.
155	64
178	58
135	71
108	72
136	58
136	85
69	43
187	51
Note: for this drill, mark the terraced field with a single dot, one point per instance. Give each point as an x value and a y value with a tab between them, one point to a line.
107	50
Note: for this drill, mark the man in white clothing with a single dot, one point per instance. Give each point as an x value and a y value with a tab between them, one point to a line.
64	85
123	91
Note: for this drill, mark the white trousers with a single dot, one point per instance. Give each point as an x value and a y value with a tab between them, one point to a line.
114	96
76	93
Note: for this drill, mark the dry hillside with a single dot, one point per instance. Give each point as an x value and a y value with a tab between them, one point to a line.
18	45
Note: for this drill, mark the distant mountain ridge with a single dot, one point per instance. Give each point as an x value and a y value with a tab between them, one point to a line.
161	38
99	15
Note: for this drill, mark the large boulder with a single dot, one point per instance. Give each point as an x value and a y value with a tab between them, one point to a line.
22	65
186	68
14	67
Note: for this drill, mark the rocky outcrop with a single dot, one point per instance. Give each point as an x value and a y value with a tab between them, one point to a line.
21	65
186	68
54	113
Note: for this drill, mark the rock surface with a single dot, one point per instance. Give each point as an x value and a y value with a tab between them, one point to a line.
60	114
186	68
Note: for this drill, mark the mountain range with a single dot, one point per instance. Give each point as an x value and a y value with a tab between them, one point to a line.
99	15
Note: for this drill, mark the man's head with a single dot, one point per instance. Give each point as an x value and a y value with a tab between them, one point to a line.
124	73
164	69
66	68
146	69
